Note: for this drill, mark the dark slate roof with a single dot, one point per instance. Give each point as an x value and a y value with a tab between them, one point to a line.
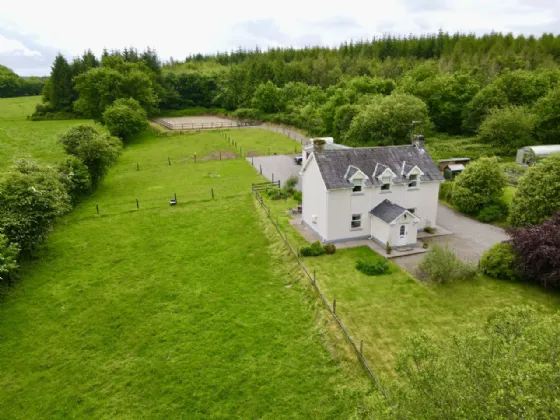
333	164
387	211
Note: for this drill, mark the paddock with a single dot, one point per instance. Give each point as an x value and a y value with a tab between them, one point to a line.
197	122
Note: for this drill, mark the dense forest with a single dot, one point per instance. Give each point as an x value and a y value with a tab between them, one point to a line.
12	85
502	88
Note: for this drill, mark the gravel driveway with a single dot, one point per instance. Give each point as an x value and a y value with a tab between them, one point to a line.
469	240
279	167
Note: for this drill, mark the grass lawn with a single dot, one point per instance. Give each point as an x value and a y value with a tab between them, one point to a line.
187	311
383	310
22	138
509	192
257	142
447	147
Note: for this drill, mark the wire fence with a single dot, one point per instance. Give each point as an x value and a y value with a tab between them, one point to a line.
313	279
239	153
134	205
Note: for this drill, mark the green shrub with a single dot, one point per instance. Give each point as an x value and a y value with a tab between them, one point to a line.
290	183
275	194
372	268
492	213
330	249
247	114
500	262
479	185
124	118
314	250
430	230
441	265
297	196
446	191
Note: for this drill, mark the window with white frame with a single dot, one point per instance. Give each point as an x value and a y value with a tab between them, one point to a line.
386	184
356	221
357	186
413	181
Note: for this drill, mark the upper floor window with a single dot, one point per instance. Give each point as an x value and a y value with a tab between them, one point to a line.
413	181
386	186
358	183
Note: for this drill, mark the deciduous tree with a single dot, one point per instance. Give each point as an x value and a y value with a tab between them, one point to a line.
509	128
480	185
538	252
32	198
124	118
388	121
97	151
538	194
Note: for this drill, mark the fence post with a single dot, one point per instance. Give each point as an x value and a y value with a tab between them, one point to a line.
97	208
175	195
334	306
137	204
137	166
194	157
314	278
260	166
212	191
169	161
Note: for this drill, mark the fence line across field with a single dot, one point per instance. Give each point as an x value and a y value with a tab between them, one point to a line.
195	126
332	309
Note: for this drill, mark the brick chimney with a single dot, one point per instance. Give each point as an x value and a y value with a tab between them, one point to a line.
319	145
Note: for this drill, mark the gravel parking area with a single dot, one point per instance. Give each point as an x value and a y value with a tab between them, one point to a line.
469	240
279	167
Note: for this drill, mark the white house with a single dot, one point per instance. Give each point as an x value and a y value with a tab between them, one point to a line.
387	194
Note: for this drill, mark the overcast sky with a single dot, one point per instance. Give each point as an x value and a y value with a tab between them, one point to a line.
33	31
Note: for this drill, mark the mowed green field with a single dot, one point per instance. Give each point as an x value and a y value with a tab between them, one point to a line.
22	138
183	311
384	310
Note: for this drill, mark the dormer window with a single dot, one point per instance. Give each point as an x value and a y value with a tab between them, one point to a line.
357	188
413	181
386	179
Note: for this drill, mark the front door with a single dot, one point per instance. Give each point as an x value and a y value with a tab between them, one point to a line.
402	238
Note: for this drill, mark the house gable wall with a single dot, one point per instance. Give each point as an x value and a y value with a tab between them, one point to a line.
314	200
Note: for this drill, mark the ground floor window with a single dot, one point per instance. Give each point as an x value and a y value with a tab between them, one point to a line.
403	230
356	221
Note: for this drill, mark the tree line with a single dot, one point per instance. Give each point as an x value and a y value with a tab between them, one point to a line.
12	85
501	88
34	195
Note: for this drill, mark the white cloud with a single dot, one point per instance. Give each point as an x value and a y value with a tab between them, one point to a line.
178	28
11	46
